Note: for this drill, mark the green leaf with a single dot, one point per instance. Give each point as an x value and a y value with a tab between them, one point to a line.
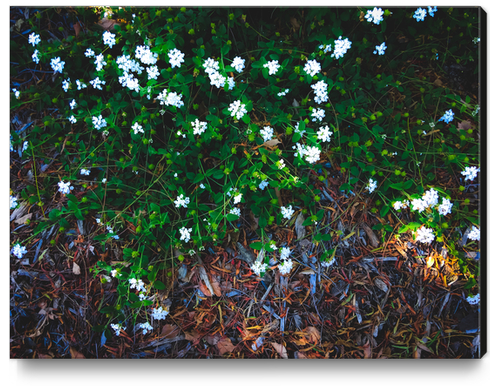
384	210
257	245
246	118
159	285
232	217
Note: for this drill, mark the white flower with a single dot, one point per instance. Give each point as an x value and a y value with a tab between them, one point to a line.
84	172
185	234
280	164
273	245
285	267
237	198
159	313
287	212
181	201
372	185
99	62
448	116
273	66
283	93
145	327
470	172
80	85
318	114
328	263
16	93
312	154
65	85
114	271
73	104
397	205
297	130
96	83
64	187
89	53
199	127
267	132
236	211
202	186
238	64
144	54
117	328
99	122
210	66
432	10
473	300
431	197
420	14
474	234
109	38
153	72
35	57
104	180
18	251
237	109
445	207
137	128
130	81
139	285
341	47
425	235
57	64
324	134
34	39
258	267
375	15
419	204
231	83
312	67
380	50
216	79
170	99
13	202
263	184
321	91
285	253
176	57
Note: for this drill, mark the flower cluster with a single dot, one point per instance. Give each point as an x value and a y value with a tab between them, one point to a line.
380	50
99	62
99	122
199	127
397	205
285	253
318	114
170	99
374	15
181	201
185	234
267	132
324	133
96	83
109	38
137	284
57	65
420	14
84	172
372	184
425	235
311	153
285	266
238	64
341	47
13	202
328	263
445	207
448	116
321	92
470	172
145	327
34	39
144	54
263	184
159	313
473	300
176	57
287	212
273	66
432	10
237	109
258	267
312	67
429	199
18	251
137	128
64	187
117	328
65	85
325	47
35	56
283	93
474	234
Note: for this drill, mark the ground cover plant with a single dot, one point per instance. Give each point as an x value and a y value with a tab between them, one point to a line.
245	183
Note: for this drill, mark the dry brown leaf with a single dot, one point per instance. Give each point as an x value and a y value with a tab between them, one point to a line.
107	24
271	143
465	125
23	219
44	356
76	269
312	334
77	28
213	339
204	289
75	354
169	331
372	237
225	345
192	336
438	82
294	22
299	355
281	350
215	285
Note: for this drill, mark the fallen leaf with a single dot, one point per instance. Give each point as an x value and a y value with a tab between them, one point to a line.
281	350
75	354
169	331
271	143
213	339
225	345
215	285
204	290
294	22
107	24
76	269
438	82
381	285
299	355
77	28
192	336
372	237
312	334
298	226
44	356
23	219
465	125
